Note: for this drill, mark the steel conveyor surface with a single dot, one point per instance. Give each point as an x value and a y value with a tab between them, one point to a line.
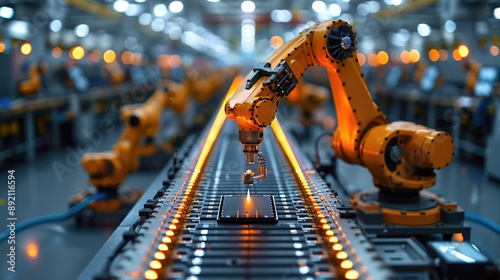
175	230
179	236
290	247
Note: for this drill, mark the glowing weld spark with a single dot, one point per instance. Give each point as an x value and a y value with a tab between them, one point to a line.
248	196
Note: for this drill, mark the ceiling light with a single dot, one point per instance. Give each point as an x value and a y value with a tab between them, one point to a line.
82	30
424	30
281	16
130	43
494	50
55	25
334	10
414	56
77	52
373	6
276	42
140	1
18	29
463	50
109	56
363	9
496	13
176	7
133	10
120	6
26	48
168	26
6	12
248	6
56	52
157	25
404	34
248	35
450	26
395	39
145	19
160	10
400	38
213	1
393	2
189	26
175	33
347	17
319	6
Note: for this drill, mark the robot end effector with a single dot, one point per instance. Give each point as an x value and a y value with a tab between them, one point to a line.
251	141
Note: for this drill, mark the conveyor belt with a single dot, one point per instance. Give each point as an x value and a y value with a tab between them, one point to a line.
298	246
175	234
290	247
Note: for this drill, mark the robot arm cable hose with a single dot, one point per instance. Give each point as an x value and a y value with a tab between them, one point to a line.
480	219
483	221
55	217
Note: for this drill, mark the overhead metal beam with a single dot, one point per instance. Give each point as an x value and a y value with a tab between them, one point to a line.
409	7
94	8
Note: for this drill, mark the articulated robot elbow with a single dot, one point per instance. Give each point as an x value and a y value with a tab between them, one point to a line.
106	169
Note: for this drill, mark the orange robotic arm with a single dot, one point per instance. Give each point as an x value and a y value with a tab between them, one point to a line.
399	155
109	169
204	87
472	67
115	73
33	84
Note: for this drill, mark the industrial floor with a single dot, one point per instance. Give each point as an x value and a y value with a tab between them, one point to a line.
57	250
62	250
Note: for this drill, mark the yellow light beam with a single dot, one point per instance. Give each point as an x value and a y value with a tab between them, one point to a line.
217	125
220	118
308	193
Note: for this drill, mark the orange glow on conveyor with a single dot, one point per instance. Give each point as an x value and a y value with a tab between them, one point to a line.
175	224
306	188
217	125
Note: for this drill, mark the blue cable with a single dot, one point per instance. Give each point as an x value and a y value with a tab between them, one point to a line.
479	219
75	209
483	221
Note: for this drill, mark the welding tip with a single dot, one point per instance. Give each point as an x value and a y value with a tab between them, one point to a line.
250	158
250	150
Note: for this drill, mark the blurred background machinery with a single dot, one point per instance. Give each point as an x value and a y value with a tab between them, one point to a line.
73	75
